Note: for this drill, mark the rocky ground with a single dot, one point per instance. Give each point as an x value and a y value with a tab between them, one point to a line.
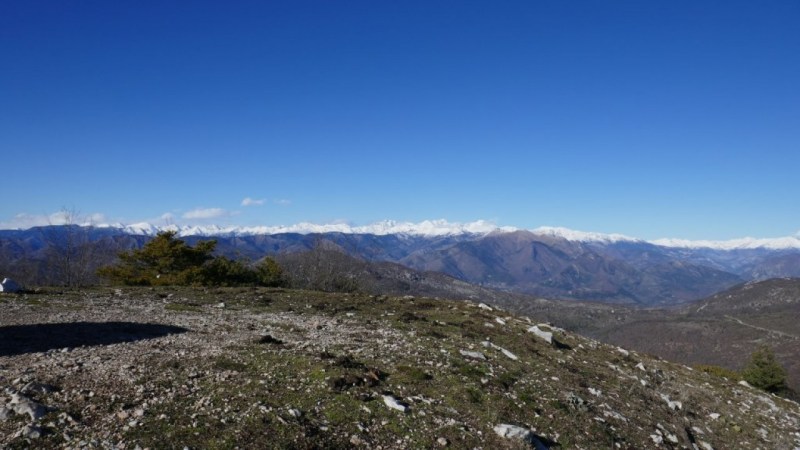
267	368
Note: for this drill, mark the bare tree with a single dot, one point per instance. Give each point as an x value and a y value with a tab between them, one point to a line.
325	267
69	255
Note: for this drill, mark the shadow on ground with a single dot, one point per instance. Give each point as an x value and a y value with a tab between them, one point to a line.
21	339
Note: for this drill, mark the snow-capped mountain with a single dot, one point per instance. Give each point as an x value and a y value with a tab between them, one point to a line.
441	227
748	243
429	228
582	236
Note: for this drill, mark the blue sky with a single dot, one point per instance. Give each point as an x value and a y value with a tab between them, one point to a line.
651	119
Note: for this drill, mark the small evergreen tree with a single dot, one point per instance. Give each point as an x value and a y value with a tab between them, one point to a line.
165	260
764	372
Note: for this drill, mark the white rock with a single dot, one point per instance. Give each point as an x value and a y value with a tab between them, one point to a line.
615	415
484	306
623	351
673	405
513	432
473	355
551	327
546	335
29	432
714	416
502	350
508	353
500	321
595	392
640	366
744	383
392	402
705	445
220	305
657	439
23	405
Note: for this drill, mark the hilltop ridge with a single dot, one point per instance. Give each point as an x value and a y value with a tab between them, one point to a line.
254	367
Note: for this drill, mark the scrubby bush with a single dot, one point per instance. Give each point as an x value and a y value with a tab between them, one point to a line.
721	372
765	372
269	273
222	271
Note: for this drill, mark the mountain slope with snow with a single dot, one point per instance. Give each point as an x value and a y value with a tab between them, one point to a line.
441	227
386	227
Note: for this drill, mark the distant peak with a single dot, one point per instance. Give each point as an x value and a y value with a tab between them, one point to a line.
581	236
430	228
789	242
442	227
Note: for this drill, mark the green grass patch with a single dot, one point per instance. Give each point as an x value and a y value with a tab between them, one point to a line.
182	307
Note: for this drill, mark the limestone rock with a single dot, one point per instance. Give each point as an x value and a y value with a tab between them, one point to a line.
30	432
545	335
24	405
515	432
473	355
393	403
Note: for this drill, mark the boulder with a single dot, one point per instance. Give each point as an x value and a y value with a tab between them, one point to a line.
9	285
546	335
393	403
514	432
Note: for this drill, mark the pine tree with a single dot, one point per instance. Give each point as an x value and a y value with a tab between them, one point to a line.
764	371
165	260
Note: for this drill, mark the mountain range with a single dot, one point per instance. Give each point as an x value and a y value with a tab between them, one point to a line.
547	262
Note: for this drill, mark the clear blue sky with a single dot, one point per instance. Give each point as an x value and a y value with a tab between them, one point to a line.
648	118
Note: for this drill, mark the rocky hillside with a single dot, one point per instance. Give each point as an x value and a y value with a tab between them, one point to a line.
722	330
250	368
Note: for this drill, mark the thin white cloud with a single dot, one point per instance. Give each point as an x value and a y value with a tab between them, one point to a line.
205	213
282	202
23	221
96	218
167	218
252	202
